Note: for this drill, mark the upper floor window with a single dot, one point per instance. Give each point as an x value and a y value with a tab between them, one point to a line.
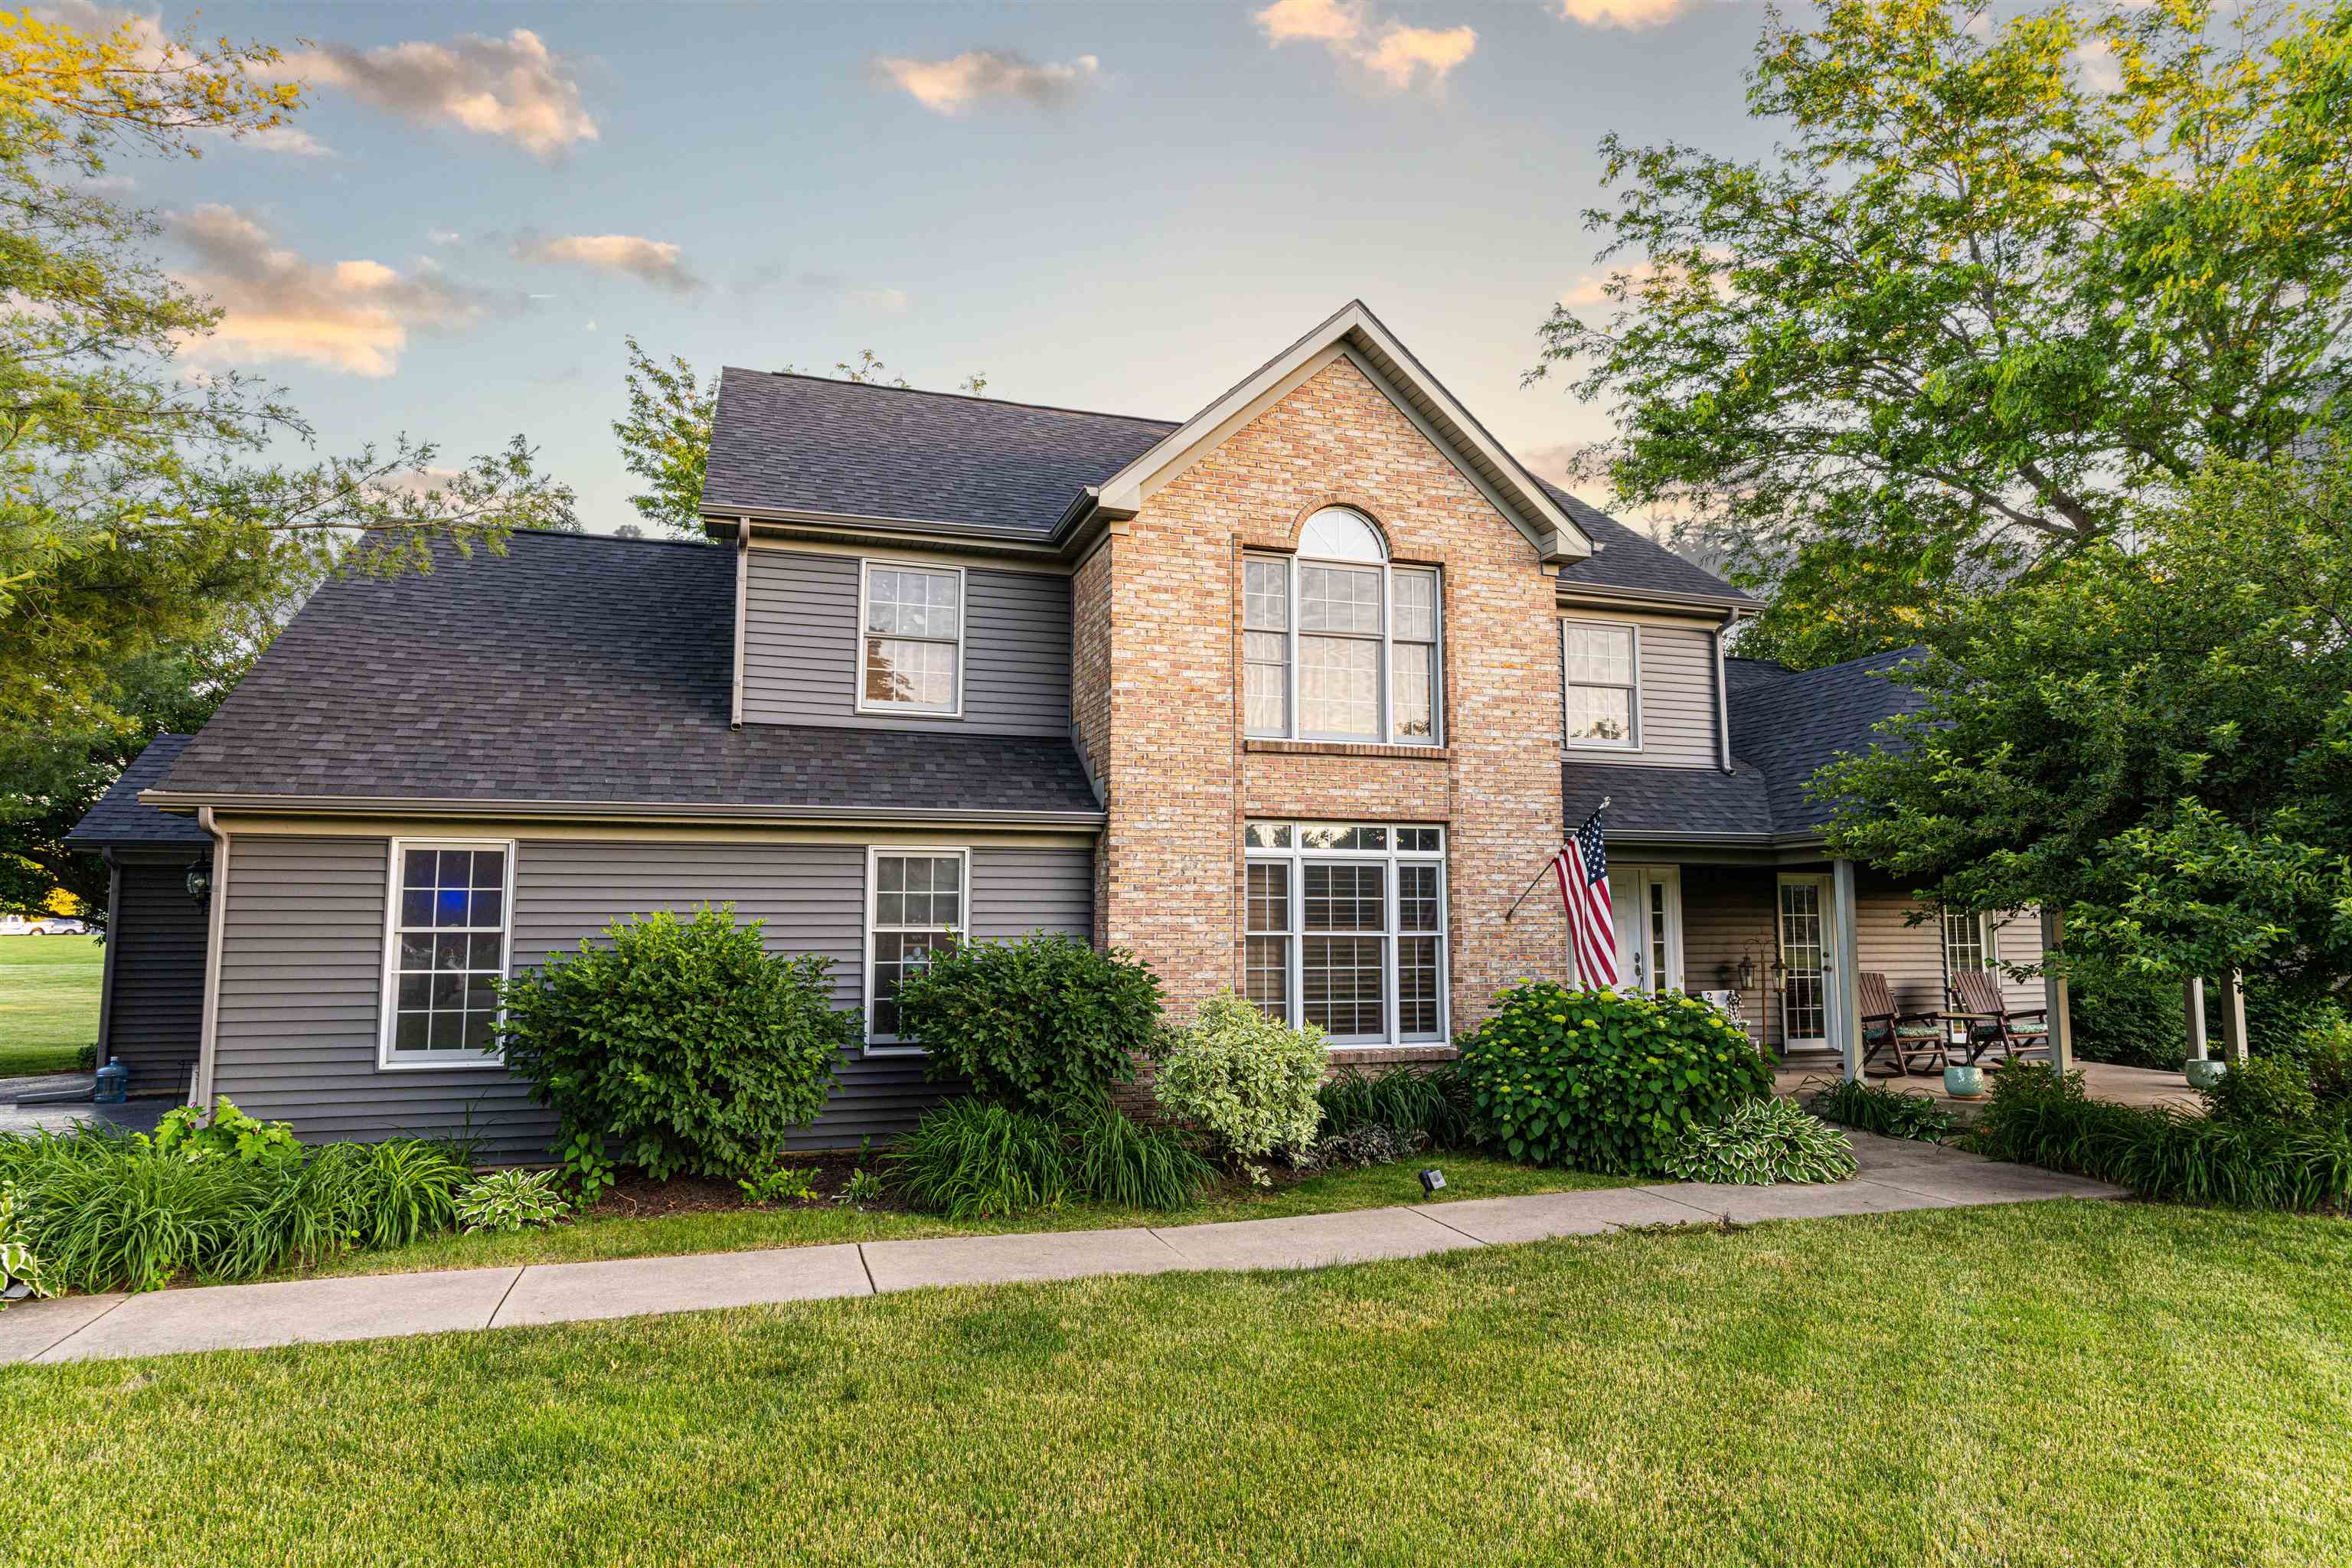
1338	644
913	647
1601	666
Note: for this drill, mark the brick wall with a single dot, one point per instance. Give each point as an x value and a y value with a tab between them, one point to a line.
1180	781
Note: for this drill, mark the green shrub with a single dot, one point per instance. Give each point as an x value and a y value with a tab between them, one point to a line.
1436	1103
505	1202
2328	1057
1761	1142
863	1187
1605	1080
681	1045
1365	1145
18	1264
1115	1159
2262	1089
1247	1080
778	1184
1041	1023
2164	1152
972	1159
86	1058
2125	1017
1890	1113
225	1133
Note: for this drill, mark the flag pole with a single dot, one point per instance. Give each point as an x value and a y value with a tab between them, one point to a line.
1546	866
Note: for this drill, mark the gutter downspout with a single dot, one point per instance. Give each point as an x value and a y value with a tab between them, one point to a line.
106	970
1723	692
742	602
200	1093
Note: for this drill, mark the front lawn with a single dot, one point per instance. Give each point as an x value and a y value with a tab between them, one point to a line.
2047	1383
734	1229
48	1001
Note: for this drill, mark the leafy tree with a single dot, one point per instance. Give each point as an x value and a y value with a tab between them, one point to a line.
2156	739
1998	284
666	438
134	512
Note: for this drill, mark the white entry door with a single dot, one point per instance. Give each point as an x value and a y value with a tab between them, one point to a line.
1804	920
1646	903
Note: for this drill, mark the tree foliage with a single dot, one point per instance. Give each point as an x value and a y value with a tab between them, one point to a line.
2000	283
2158	739
136	512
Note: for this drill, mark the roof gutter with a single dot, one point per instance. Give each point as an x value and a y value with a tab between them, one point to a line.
1601	594
204	803
723	525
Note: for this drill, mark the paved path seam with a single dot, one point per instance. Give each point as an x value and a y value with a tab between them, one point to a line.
1894	1176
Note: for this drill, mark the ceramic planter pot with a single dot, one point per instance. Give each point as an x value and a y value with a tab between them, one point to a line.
2204	1074
1964	1082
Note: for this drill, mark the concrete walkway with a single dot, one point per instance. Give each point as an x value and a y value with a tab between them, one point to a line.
1894	1175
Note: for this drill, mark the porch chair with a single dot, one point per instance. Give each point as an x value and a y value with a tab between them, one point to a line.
1906	1036
1985	1014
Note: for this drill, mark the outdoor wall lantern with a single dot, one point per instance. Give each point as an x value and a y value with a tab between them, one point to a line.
200	880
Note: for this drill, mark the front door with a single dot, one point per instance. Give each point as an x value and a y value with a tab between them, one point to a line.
1804	956
1646	904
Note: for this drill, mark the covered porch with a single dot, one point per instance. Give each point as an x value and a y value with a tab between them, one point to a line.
2144	1088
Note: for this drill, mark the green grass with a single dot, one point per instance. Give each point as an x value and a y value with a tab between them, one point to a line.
2046	1383
48	1001
734	1230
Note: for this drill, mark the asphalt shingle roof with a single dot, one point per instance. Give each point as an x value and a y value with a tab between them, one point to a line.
1789	722
575	668
1699	801
1628	558
802	443
118	818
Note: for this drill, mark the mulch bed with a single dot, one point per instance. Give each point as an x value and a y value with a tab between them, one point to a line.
639	1196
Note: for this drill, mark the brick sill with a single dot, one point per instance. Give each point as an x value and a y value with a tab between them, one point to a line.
1346	748
1387	1055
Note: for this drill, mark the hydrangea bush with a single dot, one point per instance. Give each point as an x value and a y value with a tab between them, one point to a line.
1247	1080
1605	1080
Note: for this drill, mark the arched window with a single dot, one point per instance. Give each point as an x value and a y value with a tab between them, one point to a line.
1338	645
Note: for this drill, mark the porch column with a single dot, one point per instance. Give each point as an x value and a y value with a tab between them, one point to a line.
1844	977
2233	1015
2054	991
2192	1007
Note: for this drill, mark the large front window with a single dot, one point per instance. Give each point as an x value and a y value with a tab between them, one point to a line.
913	640
1337	643
916	910
1346	927
446	951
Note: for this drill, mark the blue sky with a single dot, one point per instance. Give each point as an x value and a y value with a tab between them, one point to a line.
1123	208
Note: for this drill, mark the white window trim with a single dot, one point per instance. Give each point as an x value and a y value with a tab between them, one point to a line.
1667	970
1293	728
1985	932
1297	856
1634	688
890	1044
388	993
862	704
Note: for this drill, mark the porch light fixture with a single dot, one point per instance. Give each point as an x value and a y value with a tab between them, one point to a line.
1432	1181
1747	973
200	880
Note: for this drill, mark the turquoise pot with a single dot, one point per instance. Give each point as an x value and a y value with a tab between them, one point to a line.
1964	1082
2204	1074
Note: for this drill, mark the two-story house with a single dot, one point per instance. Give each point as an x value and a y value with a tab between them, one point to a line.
1293	697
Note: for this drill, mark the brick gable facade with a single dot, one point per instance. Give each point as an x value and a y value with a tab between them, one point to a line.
1159	702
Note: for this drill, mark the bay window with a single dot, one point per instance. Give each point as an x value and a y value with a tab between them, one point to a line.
1345	929
1337	643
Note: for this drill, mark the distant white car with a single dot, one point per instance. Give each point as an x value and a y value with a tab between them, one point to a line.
47	925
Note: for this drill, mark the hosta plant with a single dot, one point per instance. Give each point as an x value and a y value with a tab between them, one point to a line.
1761	1142
505	1202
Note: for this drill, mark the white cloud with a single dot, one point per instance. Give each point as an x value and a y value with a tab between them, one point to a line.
349	316
951	86
511	87
2101	73
151	47
655	261
442	236
1392	53
1627	13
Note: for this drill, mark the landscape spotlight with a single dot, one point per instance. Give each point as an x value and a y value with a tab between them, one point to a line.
1432	1180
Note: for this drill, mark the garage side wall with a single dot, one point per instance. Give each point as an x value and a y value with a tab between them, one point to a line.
302	968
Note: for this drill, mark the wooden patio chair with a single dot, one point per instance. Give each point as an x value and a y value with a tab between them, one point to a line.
1906	1037
1985	1014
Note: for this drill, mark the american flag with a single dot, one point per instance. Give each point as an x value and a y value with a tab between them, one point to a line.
1583	867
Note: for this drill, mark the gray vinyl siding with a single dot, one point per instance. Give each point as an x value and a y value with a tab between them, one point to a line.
155	1012
301	987
1912	957
1727	914
801	650
1678	710
303	956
